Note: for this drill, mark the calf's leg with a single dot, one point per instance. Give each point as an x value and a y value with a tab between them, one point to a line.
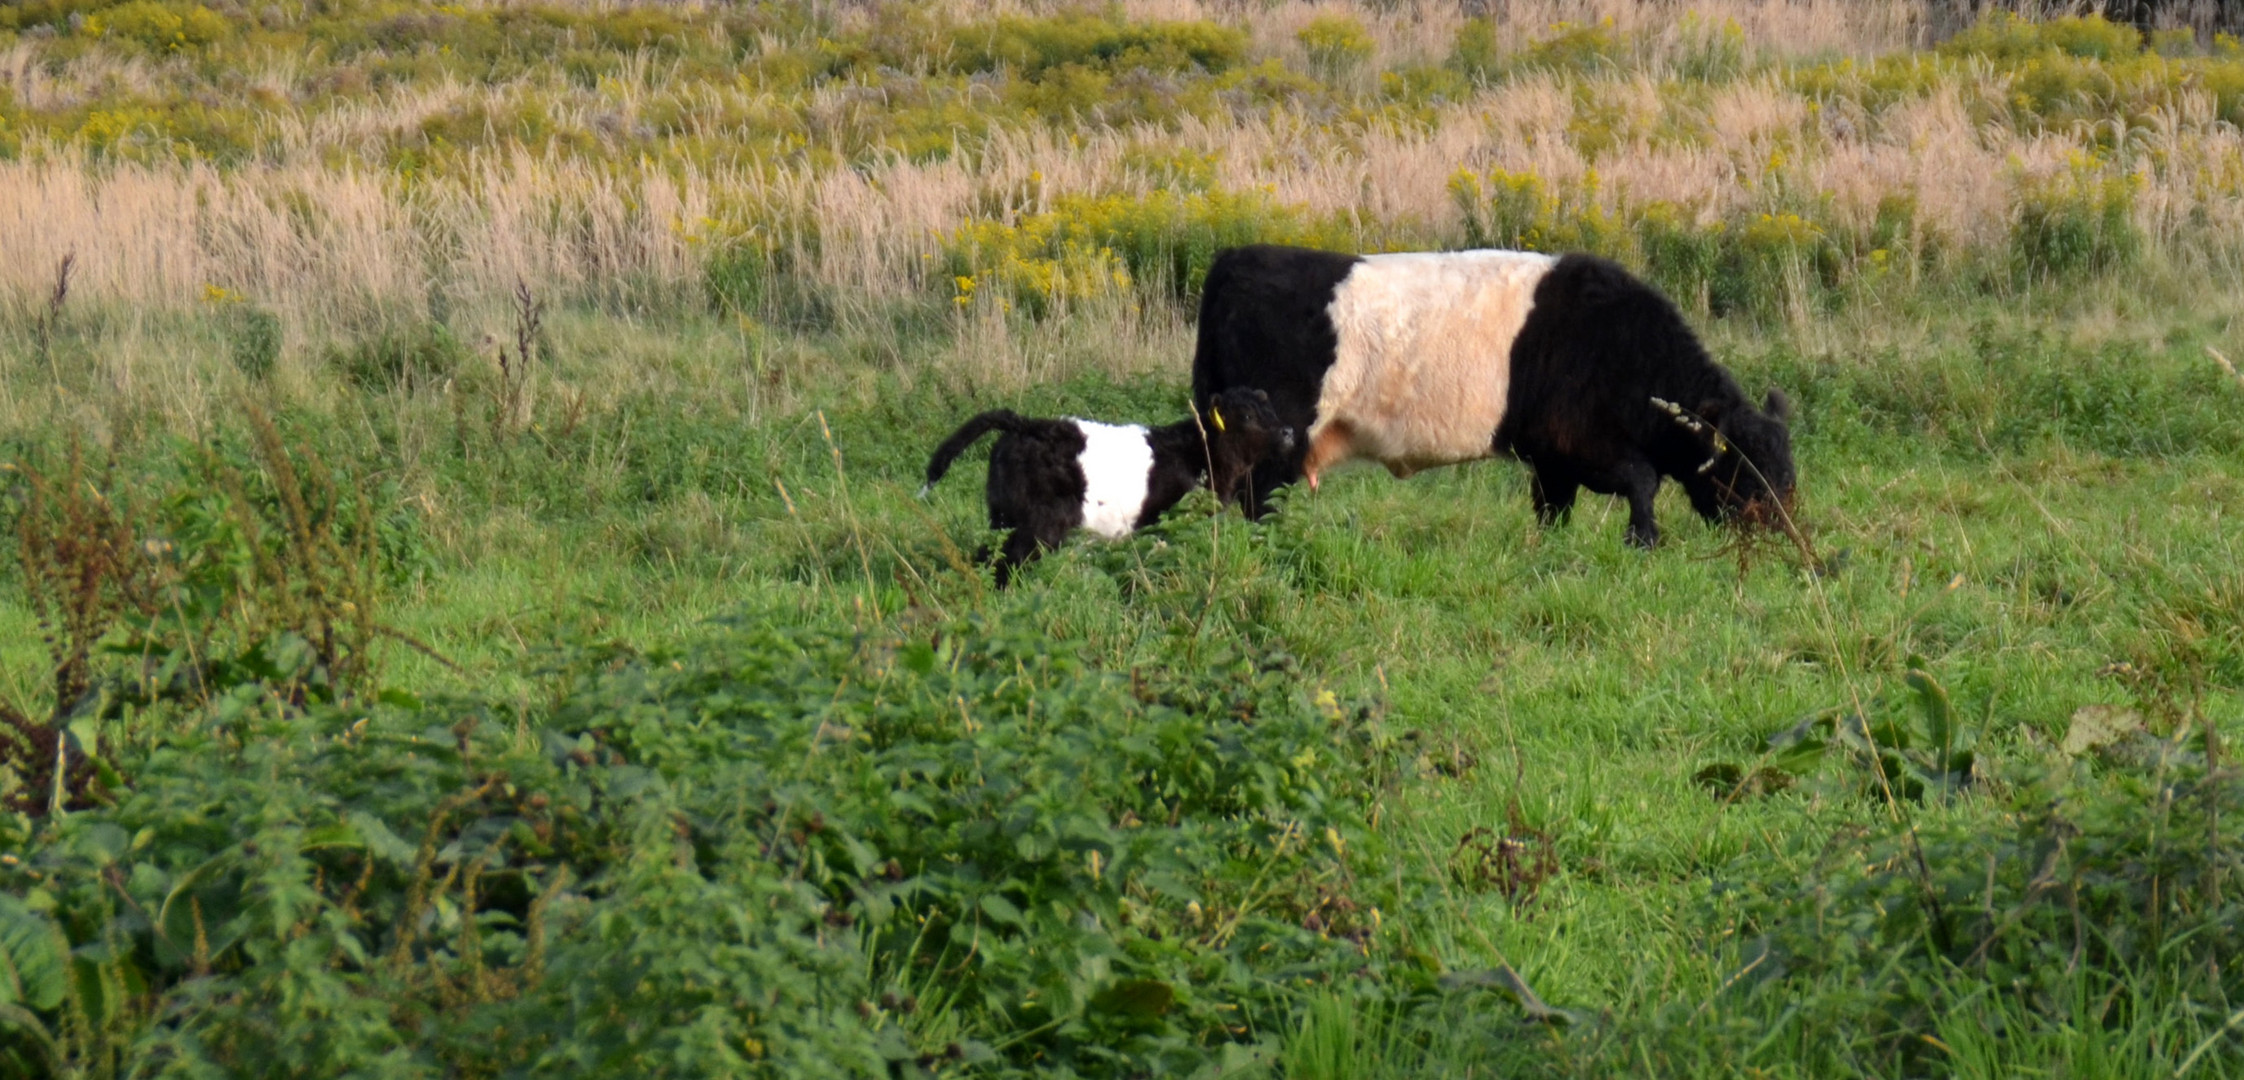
1040	534
1020	548
1273	473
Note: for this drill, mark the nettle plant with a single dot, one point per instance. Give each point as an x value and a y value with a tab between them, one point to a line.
1907	748
1916	747
793	852
2096	894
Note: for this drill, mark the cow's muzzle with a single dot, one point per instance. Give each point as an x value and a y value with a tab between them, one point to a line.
1764	512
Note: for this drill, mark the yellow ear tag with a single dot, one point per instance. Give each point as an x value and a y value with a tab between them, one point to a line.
1217	416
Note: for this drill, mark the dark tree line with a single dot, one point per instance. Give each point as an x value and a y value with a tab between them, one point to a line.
2206	17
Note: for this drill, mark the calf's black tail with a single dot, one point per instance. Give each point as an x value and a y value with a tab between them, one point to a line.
966	435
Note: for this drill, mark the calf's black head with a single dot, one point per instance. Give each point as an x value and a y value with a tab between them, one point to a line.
1751	468
1243	431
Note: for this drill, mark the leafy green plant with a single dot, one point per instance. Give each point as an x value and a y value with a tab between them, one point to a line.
1773	263
1039	45
2082	914
970	846
1679	255
253	341
1906	754
2075	222
759	281
1336	44
1085	247
1519	210
157	27
399	357
1572	47
1476	52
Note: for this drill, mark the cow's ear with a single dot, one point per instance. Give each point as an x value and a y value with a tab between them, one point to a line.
1262	395
1711	410
1779	406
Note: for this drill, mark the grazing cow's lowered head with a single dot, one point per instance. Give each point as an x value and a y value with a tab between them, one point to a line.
1748	469
1050	477
1430	358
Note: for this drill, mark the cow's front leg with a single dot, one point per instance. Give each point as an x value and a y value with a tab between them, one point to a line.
1638	483
1553	492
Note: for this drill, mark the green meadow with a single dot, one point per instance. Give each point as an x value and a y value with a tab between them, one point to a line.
471	612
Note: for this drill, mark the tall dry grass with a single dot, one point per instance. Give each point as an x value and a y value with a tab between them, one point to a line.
334	247
336	244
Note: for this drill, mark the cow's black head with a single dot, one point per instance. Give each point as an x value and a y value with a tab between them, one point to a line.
1243	432
1751	470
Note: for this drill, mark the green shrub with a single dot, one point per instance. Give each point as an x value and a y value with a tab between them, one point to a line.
1680	257
158	26
639	28
1476	52
1085	247
253	340
1519	211
744	278
2081	220
2092	37
1577	48
2002	35
1762	265
1036	45
2176	42
773	852
1336	44
399	356
1710	51
2098	892
1773	263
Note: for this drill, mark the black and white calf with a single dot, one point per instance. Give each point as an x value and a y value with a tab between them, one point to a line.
1416	360
1050	477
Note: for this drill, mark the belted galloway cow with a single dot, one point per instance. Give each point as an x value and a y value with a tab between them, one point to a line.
1569	363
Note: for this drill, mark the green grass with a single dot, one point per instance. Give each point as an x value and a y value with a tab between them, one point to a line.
2045	518
635	610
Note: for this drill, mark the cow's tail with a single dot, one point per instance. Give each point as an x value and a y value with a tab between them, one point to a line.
966	435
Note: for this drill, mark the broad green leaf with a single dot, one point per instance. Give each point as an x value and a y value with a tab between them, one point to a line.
1940	713
380	840
1140	998
32	967
208	869
1001	910
26	1024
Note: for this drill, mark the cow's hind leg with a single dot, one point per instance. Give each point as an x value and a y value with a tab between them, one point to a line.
1030	541
1553	492
1020	548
